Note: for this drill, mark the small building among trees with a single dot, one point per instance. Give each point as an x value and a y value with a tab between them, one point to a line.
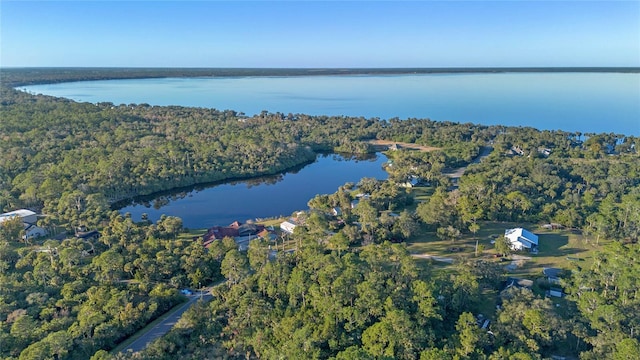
33	231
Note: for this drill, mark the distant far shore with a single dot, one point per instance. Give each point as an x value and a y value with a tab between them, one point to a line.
20	76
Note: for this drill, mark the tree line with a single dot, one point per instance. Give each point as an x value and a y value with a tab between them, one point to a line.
73	160
349	290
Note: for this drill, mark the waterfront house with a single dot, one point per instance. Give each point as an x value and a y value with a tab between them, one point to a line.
241	233
288	226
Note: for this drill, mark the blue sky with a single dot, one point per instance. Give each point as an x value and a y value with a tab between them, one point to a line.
319	33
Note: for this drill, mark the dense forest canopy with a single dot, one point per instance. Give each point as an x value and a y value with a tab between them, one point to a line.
13	77
337	287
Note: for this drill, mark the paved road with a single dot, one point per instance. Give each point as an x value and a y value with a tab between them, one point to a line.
166	325
457	173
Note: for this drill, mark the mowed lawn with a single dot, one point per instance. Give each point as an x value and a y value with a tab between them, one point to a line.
428	243
557	248
562	249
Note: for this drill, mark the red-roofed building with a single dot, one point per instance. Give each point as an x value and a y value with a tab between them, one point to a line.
239	232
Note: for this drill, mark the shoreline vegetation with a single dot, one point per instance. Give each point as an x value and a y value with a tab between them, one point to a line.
345	284
194	153
15	77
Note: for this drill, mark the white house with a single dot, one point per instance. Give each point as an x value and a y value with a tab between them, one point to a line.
29	219
32	231
287	226
521	239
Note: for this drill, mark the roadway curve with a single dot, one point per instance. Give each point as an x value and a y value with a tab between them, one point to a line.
457	173
164	326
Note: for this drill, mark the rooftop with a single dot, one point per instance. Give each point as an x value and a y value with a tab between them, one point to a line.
21	213
234	230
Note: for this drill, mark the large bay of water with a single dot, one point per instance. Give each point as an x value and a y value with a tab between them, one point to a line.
201	207
585	102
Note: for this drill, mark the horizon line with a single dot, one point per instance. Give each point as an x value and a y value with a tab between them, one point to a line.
322	68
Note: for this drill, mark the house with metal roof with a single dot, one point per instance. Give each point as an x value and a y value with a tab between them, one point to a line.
522	239
27	216
29	219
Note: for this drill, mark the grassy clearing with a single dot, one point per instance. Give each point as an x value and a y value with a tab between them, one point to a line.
560	249
404	145
557	248
428	243
420	194
273	222
189	234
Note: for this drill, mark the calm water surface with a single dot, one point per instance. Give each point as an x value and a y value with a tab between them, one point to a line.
585	102
261	197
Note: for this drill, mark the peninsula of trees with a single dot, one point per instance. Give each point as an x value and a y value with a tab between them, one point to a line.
343	287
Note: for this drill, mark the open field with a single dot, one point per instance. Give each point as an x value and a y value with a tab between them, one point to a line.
561	249
273	222
191	233
557	248
404	145
429	243
420	194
